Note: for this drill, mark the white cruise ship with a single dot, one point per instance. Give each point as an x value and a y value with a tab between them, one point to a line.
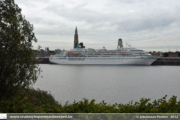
120	56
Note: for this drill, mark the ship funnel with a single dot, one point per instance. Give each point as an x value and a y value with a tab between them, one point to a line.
120	43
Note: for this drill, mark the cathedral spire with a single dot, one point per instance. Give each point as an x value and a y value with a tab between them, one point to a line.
76	32
76	42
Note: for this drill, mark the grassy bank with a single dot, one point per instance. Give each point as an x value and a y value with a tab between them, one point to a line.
39	101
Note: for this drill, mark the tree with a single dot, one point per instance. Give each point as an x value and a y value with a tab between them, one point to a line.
18	64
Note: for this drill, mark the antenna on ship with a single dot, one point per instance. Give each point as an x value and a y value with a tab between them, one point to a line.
129	45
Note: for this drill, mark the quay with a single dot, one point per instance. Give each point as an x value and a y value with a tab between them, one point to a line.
160	61
167	61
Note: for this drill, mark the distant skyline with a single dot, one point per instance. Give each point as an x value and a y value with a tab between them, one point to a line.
152	25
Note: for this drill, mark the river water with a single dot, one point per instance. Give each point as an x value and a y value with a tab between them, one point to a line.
113	84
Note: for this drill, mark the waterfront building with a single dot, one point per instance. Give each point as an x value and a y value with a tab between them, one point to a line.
51	53
173	54
156	53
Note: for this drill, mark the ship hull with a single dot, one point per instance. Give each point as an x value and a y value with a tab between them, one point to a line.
103	61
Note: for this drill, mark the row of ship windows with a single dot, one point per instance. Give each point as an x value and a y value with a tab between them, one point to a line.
104	54
88	55
112	52
94	58
120	51
88	58
97	55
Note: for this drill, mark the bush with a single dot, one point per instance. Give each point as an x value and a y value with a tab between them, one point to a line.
39	101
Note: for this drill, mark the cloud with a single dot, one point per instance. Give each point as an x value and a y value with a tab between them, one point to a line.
103	20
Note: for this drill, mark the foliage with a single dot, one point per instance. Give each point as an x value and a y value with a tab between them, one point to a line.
166	54
18	69
38	101
30	101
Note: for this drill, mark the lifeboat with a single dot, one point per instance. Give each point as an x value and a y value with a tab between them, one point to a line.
124	53
75	53
69	52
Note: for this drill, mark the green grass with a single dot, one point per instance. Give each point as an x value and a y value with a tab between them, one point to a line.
39	101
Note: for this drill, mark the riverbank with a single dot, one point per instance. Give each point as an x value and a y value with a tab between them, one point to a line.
161	61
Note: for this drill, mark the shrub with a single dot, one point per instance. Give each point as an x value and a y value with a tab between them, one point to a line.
39	101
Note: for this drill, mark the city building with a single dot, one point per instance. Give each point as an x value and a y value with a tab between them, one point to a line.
173	54
156	53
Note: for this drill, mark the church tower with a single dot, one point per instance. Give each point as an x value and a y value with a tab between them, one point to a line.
76	42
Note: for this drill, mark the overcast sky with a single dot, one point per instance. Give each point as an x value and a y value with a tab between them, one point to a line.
152	25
